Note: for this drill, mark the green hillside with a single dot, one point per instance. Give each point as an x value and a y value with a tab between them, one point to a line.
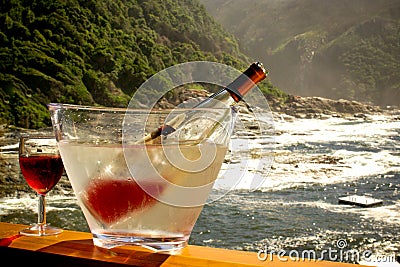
337	49
98	52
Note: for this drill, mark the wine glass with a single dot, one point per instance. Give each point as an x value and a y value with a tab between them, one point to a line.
42	168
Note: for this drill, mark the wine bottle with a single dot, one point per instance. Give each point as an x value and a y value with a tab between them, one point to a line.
228	96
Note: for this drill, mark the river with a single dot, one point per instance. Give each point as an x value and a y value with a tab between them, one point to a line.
295	206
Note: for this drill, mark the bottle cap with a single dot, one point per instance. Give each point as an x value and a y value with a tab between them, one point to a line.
250	77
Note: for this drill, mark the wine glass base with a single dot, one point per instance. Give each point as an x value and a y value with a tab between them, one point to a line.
40	230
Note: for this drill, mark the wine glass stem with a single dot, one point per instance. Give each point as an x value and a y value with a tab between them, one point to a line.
42	210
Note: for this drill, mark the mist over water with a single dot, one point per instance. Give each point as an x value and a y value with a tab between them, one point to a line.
296	207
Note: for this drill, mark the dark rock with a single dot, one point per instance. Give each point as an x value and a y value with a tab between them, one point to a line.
304	107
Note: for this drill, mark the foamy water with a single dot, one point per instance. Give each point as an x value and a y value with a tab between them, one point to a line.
296	206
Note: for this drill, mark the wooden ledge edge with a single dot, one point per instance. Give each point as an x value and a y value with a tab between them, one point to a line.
72	248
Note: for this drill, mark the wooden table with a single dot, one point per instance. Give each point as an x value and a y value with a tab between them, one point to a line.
72	248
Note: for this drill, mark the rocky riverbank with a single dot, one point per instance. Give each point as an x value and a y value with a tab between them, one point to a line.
319	107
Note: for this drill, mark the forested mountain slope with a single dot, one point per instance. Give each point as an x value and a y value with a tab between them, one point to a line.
336	48
98	52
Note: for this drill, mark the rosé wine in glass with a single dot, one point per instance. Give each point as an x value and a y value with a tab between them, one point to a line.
42	167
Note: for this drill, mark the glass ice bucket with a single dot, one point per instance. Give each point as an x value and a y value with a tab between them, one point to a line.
136	187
